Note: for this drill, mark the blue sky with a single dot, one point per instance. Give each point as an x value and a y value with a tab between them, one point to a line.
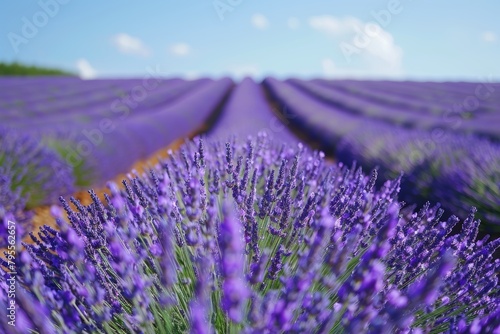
399	39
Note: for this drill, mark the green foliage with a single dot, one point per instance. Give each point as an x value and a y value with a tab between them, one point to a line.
83	173
17	69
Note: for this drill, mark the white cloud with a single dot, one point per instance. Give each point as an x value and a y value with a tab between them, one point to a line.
130	45
489	36
192	75
331	70
259	21
241	71
333	26
328	67
293	23
366	48
180	49
85	70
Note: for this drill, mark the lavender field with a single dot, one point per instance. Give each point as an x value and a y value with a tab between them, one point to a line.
278	206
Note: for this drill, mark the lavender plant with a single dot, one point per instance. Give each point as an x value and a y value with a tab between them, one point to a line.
254	238
30	171
13	210
457	170
469	174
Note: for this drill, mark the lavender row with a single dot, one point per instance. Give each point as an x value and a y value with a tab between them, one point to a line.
251	237
377	92
447	117
443	94
320	120
99	97
421	103
95	94
117	106
246	113
434	91
458	171
366	108
23	84
45	89
475	111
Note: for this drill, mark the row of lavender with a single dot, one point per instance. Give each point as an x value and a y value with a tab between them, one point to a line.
248	113
61	135
434	97
458	170
426	106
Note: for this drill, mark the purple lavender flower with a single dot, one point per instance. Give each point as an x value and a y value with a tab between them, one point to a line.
232	248
199	306
186	248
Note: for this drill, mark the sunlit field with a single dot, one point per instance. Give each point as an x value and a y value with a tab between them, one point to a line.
149	191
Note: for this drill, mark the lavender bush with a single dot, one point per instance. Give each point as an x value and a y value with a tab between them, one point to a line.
13	210
474	180
30	171
254	238
457	170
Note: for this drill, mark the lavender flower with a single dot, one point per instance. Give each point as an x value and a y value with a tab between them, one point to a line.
232	248
209	243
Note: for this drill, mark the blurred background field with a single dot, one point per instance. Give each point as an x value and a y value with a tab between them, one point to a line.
64	135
